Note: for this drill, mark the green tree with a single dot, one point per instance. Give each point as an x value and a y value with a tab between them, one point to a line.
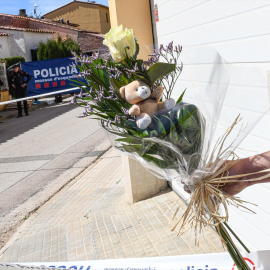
40	50
57	49
71	46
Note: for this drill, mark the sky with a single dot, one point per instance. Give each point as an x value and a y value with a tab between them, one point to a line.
13	6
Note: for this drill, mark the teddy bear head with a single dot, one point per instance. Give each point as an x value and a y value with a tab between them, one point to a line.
135	92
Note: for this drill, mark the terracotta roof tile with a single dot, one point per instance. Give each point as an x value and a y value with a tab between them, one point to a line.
25	29
4	34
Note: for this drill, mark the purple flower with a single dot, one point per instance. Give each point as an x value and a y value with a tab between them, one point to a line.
125	111
84	114
89	108
116	119
80	95
73	101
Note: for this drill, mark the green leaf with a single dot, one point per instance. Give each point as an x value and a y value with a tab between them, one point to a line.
142	77
173	133
136	133
159	162
139	64
137	49
115	84
153	133
159	70
130	140
181	97
133	148
161	128
102	116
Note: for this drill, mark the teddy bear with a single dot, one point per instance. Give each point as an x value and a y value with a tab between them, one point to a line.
144	103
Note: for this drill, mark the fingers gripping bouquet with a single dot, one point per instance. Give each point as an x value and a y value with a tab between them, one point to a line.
173	139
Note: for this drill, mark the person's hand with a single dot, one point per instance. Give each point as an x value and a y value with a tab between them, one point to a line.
238	168
253	164
23	85
13	85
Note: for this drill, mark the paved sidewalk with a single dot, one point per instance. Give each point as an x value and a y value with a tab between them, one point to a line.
90	219
12	111
6	114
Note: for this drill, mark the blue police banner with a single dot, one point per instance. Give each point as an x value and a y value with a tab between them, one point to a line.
50	75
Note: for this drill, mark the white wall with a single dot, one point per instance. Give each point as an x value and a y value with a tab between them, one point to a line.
4	48
32	41
240	31
20	43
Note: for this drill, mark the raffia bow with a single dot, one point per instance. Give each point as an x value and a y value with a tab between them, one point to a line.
208	200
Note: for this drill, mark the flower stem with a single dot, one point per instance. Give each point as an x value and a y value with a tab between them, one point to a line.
238	239
232	249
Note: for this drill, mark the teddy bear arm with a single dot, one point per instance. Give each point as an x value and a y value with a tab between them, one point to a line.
157	93
167	104
161	105
134	110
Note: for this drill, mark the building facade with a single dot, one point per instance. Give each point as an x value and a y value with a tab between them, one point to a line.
24	35
85	15
21	41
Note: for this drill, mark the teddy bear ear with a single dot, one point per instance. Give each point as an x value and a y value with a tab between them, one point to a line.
122	91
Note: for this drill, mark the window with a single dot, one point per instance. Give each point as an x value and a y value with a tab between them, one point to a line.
107	17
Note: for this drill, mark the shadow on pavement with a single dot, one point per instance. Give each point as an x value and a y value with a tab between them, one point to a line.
13	127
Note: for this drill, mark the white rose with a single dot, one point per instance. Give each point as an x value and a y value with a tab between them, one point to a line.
117	40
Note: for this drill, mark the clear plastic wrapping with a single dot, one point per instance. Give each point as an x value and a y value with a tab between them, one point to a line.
179	144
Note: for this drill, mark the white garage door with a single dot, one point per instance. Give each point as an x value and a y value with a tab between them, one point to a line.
240	31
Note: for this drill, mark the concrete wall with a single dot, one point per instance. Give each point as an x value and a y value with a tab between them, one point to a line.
135	15
104	24
16	43
4	47
88	16
20	43
32	41
140	183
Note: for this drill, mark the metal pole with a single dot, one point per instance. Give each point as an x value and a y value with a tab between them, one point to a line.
38	96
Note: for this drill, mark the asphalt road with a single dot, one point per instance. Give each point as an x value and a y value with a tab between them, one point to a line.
37	150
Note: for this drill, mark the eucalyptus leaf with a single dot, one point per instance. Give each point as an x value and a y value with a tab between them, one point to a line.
181	97
159	70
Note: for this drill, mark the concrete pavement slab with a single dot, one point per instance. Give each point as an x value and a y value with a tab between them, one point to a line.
90	219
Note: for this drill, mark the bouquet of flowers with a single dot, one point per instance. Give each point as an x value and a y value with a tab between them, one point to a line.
175	140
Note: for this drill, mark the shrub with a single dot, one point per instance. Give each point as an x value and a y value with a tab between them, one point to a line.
72	46
13	60
57	49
